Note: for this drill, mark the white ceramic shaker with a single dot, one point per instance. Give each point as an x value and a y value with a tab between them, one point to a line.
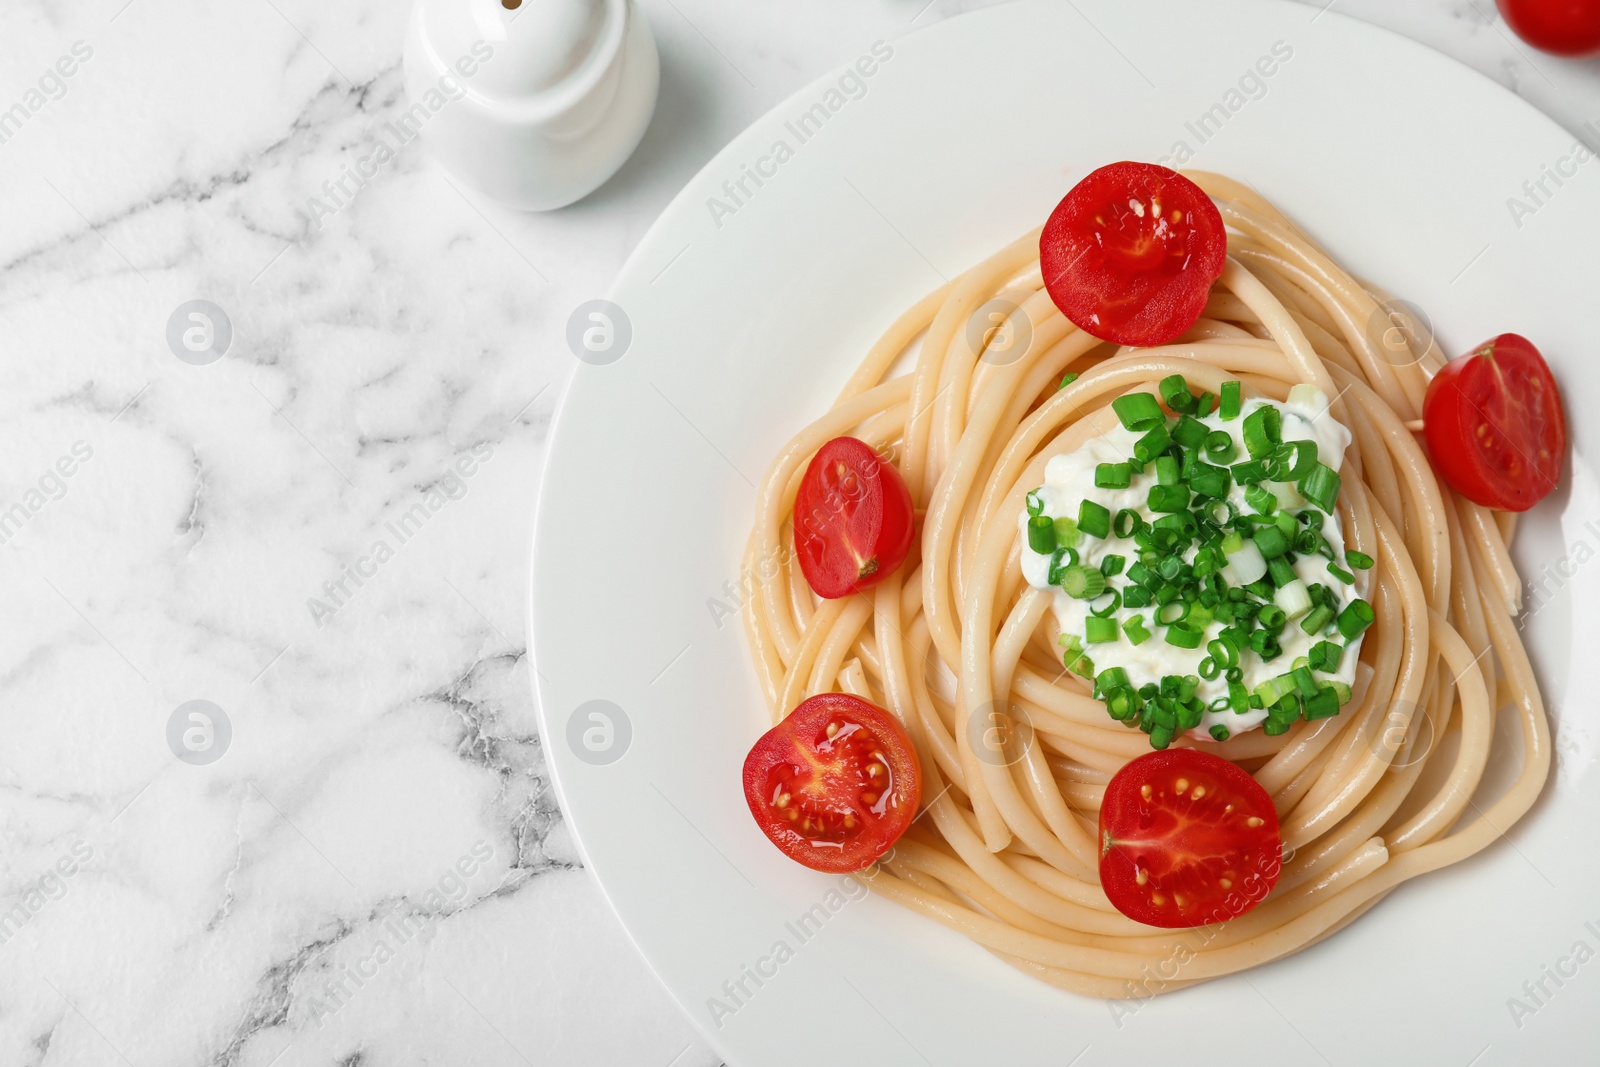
534	102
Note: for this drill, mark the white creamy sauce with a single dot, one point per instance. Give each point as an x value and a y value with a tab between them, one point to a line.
1069	479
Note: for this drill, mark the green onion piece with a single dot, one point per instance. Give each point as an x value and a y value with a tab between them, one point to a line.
1166	470
1137	596
1112	564
1175	391
1211	481
1099	631
1165	617
1140	572
1066	532
1269	539
1323	704
1110	607
1274	727
1084	666
1160	737
1261	431
1359	560
1340	573
1249	472
1325	656
1111	678
1133	626
1303	458
1113	476
1094	519
1128	523
1320	616
1264	500
1271	619
1321	487
1233	542
1232	400
1238	697
1167	593
1207	404
1122	704
1303	681
1219	447
1183	638
1342	690
1042	534
1355	618
1280	572
1168	498
1209	668
1067	379
1035	503
1152	444
1190	432
1083	582
1139	411
1219	732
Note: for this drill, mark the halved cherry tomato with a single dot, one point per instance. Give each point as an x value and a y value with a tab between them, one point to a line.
1562	27
1187	838
835	783
1130	253
1494	424
852	519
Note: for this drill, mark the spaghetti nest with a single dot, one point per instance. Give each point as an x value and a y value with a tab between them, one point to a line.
1016	752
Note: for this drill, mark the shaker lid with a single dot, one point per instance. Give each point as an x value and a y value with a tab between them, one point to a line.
540	48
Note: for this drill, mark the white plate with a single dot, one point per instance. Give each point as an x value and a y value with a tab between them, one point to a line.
744	325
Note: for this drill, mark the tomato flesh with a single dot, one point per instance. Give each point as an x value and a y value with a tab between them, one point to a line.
852	519
1187	838
1494	424
834	784
1561	27
1130	253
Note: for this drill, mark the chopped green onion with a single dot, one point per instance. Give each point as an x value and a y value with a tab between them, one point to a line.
1082	582
1249	472
1042	534
1133	626
1264	500
1175	391
1167	470
1111	678
1320	616
1303	458
1110	607
1245	565
1094	519
1208	404
1190	432
1035	503
1168	498
1067	379
1209	668
1211	481
1219	732
1139	411
1340	573
1168	618
1112	564
1219	447
1160	737
1129	527
1099	631
1274	727
1238	697
1355	618
1359	560
1183	638
1113	476
1137	596
1321	487
1323	704
1271	618
1261	429
1152	444
1282	574
1269	539
1324	656
1232	399
1066	532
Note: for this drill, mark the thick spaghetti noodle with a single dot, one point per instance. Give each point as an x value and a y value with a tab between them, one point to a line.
955	643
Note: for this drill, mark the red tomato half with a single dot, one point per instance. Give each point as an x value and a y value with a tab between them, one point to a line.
1562	27
1130	253
1187	838
1494	424
852	519
835	783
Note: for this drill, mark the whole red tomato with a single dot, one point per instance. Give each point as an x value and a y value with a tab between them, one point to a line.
1560	27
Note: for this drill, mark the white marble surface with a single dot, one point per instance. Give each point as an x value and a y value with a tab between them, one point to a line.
382	808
